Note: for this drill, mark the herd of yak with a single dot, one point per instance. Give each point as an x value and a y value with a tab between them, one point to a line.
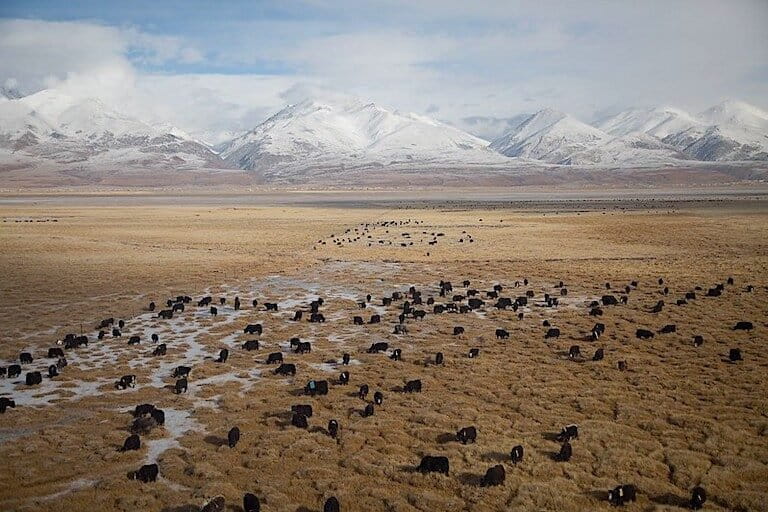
409	305
389	233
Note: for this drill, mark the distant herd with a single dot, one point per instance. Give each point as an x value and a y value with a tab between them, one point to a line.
147	416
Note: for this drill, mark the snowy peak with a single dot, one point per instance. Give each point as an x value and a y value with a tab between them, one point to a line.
658	122
349	131
55	126
729	131
548	135
736	113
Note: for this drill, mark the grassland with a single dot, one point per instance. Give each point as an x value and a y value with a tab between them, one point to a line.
679	417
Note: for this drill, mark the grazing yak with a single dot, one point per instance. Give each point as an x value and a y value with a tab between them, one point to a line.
567	433
181	371
304	347
368	411
434	464
644	334
358	320
698	498
565	453
552	333
502	334
345	358
743	326
158	415
223	356
439	358
25	358
516	455
333	428
375	319
574	352
597	330
599	355
622	366
363	391
5	403
253	329
251	503
33	378
316	387
494	476
669	328
181	386
286	369
332	505
233	436
458	330
622	495
160	350
251	345
473	353
734	355
344	378
474	303
132	442
14	370
714	292
275	357
412	386
53	371
378	347
143	410
55	352
147	473
467	435
126	381
299	421
396	354
378	398
698	340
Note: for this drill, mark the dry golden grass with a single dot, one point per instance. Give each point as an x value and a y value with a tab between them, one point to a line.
679	417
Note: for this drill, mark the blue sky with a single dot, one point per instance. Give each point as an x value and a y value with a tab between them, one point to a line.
222	66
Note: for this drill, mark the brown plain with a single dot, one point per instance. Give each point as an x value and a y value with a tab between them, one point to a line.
679	417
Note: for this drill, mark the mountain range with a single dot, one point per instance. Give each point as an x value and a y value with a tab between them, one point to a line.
55	129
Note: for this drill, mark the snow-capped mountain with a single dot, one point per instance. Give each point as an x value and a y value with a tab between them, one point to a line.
658	122
729	131
548	135
55	126
633	150
350	132
558	138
